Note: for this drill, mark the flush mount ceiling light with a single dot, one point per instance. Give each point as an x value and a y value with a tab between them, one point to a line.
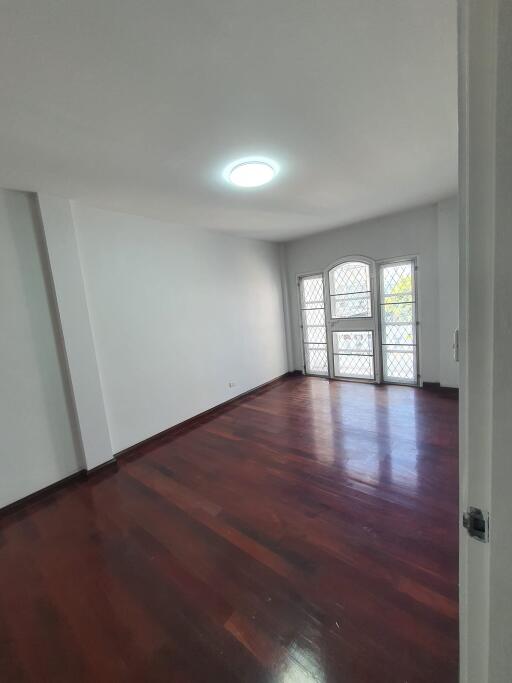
251	172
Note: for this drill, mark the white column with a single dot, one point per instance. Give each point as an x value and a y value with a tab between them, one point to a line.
68	282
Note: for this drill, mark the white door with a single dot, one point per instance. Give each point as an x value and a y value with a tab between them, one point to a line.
352	327
312	321
485	124
397	289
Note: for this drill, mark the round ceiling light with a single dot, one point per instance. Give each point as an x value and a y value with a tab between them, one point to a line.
251	173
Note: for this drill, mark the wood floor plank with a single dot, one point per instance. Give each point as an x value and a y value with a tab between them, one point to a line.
307	532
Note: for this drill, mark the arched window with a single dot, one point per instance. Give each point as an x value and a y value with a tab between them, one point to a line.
350	290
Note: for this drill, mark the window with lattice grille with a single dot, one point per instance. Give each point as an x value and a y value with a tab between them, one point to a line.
350	290
398	322
353	354
314	336
368	332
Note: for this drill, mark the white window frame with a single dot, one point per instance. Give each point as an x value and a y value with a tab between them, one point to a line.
357	324
301	277
374	356
373	283
388	262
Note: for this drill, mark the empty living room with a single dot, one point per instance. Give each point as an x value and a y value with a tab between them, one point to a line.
255	332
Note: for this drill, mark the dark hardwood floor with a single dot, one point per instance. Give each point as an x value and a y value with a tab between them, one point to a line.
307	533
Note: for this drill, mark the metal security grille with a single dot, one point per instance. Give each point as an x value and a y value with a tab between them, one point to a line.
398	322
314	337
353	354
350	290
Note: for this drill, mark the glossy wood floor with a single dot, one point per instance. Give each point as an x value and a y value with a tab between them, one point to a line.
305	534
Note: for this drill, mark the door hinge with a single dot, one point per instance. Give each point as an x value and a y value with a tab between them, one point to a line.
477	523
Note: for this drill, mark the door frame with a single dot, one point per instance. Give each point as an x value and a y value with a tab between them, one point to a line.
485	614
375	265
390	261
300	277
330	321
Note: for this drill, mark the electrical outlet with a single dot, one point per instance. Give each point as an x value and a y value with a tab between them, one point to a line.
231	384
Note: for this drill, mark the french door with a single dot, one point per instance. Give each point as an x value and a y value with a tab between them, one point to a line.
312	322
397	289
358	321
352	328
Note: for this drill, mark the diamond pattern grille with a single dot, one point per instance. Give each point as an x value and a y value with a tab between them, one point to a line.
351	306
398	334
313	292
314	317
350	290
398	319
360	367
353	354
397	283
316	359
315	335
349	278
358	343
313	325
399	363
397	313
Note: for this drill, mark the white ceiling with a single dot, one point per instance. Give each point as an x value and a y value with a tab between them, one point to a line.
138	105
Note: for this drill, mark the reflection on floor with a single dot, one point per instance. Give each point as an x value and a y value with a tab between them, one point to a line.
305	533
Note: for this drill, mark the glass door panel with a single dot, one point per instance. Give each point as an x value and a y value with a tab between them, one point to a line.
398	322
312	311
350	290
353	354
352	325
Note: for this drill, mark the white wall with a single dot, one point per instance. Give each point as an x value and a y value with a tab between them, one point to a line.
74	320
176	313
37	443
448	269
409	233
